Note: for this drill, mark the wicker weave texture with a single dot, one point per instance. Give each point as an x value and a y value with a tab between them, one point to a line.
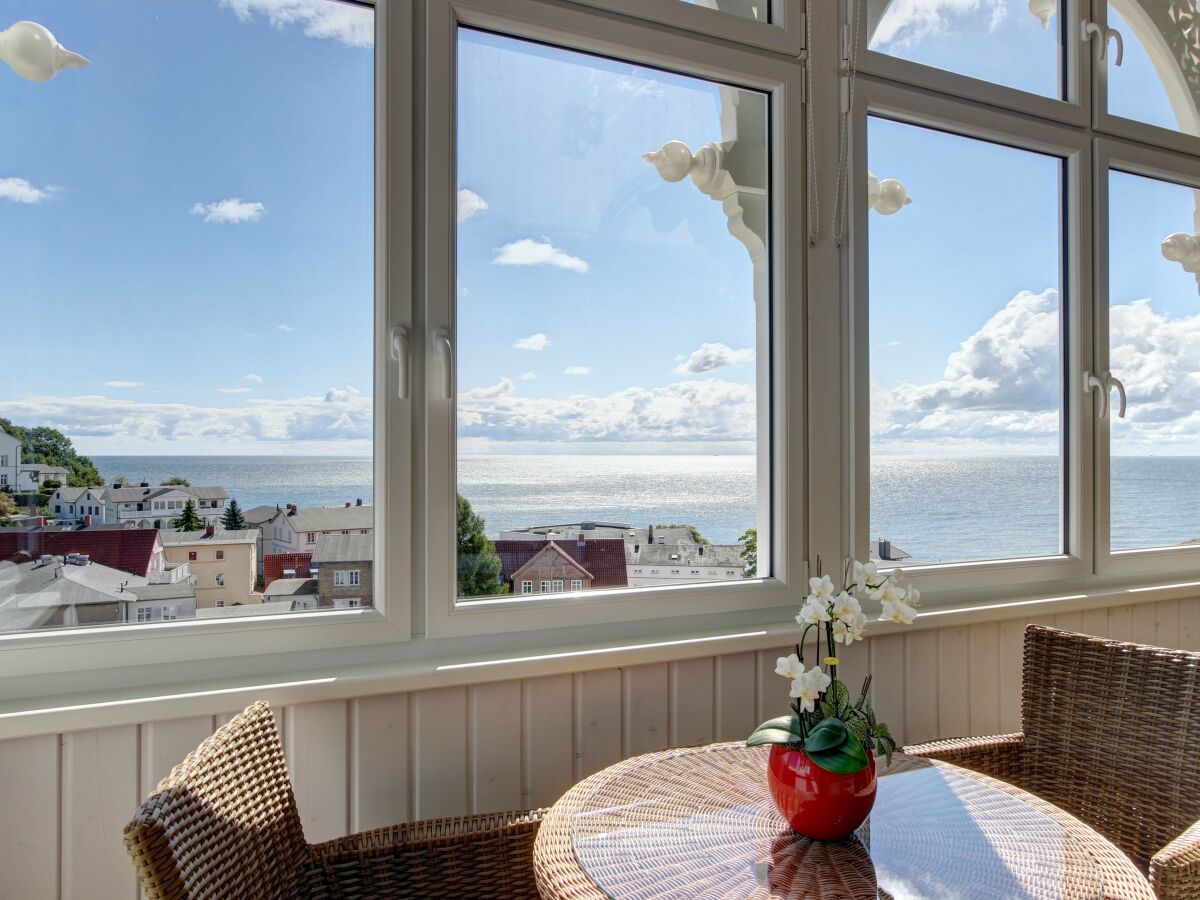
1110	732
224	824
700	823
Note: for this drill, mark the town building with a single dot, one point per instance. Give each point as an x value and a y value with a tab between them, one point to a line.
259	518
78	504
342	565
24	478
683	562
296	530
136	551
224	564
300	592
883	550
530	566
286	565
157	507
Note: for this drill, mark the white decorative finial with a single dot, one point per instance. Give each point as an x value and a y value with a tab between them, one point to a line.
1183	249
673	160
34	53
886	197
1044	10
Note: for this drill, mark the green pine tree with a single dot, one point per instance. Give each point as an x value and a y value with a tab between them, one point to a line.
750	551
188	520
233	520
478	564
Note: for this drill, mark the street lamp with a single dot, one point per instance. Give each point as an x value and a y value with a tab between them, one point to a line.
34	53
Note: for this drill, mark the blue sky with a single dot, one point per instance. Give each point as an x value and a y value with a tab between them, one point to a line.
190	219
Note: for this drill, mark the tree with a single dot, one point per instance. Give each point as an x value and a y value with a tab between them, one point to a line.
749	542
233	520
478	564
177	480
8	506
188	520
697	537
50	447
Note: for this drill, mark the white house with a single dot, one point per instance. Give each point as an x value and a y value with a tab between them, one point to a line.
21	477
156	507
10	460
74	504
295	530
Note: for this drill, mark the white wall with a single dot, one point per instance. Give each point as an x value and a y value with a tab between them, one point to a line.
371	761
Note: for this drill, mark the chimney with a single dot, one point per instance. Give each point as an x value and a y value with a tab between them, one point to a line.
291	508
701	549
885	549
145	484
650	537
358	502
582	538
347	504
87	520
210	530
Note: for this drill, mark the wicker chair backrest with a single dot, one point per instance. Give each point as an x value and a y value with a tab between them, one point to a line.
224	823
1112	733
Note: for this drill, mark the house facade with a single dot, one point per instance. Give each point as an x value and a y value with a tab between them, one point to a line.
23	478
10	461
341	564
529	566
223	564
77	504
296	530
156	507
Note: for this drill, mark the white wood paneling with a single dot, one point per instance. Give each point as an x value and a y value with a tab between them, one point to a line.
646	701
496	738
887	686
735	701
437	736
378	761
319	763
691	682
954	682
29	826
165	744
921	686
984	664
599	724
549	739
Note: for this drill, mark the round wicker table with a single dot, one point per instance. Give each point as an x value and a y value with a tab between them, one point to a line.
699	822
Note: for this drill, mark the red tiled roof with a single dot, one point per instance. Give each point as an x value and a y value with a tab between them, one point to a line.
129	551
275	563
604	558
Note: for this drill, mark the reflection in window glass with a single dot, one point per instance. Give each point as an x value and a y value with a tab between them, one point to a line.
965	349
608	323
1150	85
186	236
759	10
1154	349
1007	42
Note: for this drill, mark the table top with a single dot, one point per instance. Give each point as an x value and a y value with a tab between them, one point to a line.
699	822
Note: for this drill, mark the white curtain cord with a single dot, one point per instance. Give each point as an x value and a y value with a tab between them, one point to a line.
843	166
814	198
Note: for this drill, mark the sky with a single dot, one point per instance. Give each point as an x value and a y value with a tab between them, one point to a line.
191	219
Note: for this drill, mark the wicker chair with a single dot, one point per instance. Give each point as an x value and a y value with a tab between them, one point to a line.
224	824
1111	733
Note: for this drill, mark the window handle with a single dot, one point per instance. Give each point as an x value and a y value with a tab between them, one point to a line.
1093	384
1110	382
1091	30
400	353
445	350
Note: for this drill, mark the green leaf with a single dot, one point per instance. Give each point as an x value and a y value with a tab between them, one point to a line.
837	694
828	735
782	730
844	759
886	746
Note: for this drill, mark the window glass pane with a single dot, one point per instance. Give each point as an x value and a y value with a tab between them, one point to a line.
608	322
187	234
965	349
1154	349
759	10
1009	42
1158	81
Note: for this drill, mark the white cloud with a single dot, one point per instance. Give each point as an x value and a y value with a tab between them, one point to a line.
1002	388
536	341
528	252
124	384
230	211
286	329
908	22
469	203
577	370
529	376
346	23
338	416
711	356
252	378
233	390
18	190
687	412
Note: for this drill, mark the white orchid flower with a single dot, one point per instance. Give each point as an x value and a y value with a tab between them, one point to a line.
789	667
807	688
865	573
845	607
850	630
841	632
897	611
821	587
814	610
913	596
889	592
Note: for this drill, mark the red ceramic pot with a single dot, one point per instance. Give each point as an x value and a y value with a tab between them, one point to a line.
817	803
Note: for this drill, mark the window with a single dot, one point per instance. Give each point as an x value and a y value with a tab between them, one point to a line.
220	554
566	413
144	613
346	578
170	613
966	351
219	579
1150	85
310	537
271	194
545	587
526	587
577	584
220	603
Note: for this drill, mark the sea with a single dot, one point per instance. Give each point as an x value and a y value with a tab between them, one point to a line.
936	509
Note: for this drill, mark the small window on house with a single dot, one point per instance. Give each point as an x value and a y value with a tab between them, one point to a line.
191	556
220	603
170	613
545	587
220	579
577	584
353	603
526	587
220	554
143	614
556	586
311	537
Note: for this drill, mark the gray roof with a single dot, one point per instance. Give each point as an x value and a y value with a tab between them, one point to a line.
290	587
885	551
246	536
332	518
259	515
71	494
43	467
136	493
333	548
181	590
32	584
690	554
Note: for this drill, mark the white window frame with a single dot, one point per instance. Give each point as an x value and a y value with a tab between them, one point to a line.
784	33
781	491
1165	166
237	643
526	587
577	584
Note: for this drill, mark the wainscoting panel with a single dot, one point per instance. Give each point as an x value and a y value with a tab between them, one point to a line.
371	761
